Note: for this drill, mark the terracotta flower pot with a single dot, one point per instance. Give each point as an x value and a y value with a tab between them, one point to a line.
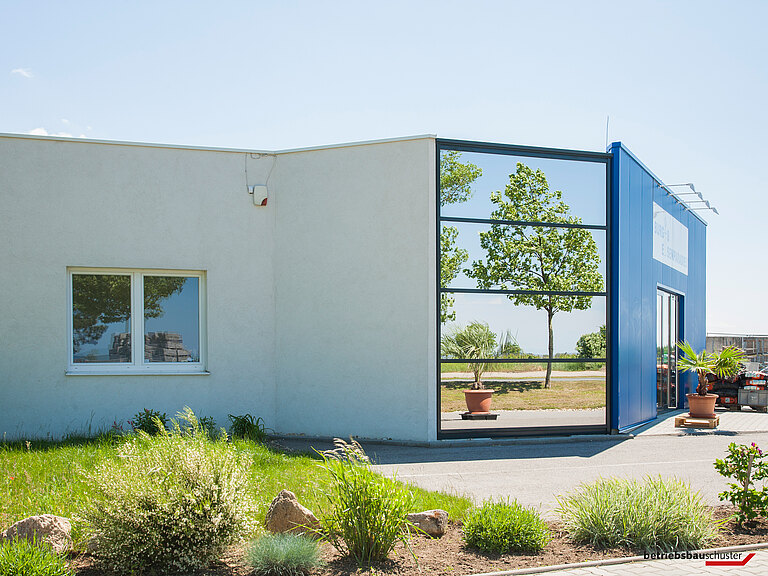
478	400
702	406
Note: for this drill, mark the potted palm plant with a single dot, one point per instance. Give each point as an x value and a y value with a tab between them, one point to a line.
725	363
475	342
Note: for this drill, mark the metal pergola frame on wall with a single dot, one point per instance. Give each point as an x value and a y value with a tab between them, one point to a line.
535	152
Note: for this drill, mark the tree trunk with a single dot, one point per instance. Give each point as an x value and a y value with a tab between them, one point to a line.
547	383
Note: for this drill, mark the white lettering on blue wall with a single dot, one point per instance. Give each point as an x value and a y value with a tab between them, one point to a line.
670	240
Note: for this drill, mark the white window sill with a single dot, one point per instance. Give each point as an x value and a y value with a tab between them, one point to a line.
134	373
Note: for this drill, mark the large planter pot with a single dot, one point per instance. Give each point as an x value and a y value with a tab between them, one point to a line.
702	406
478	400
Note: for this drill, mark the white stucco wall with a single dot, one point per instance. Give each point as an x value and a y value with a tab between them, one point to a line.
99	205
355	277
320	306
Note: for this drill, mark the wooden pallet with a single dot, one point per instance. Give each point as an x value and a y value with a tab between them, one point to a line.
479	416
686	421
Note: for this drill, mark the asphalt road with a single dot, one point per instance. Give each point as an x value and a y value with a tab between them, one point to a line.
535	474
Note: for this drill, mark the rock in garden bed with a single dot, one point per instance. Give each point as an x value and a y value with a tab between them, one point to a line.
54	530
450	556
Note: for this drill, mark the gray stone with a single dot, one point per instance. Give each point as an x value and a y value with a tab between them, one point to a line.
54	530
286	514
433	522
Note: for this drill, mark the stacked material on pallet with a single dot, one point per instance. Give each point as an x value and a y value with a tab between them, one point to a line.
165	347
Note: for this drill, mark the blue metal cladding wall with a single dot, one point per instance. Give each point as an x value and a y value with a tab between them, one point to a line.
635	276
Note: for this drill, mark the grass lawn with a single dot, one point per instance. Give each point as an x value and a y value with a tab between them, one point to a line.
43	477
530	394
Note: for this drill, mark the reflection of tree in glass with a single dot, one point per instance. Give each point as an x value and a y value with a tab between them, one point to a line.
102	299
456	178
538	258
157	289
592	345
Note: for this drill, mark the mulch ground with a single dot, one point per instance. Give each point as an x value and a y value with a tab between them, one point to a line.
449	555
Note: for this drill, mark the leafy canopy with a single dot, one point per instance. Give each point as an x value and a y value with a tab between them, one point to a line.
537	258
102	299
456	177
592	345
456	180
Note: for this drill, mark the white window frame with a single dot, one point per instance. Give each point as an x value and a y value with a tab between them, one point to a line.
138	365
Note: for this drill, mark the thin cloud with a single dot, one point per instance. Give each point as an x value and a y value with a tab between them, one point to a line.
25	72
44	132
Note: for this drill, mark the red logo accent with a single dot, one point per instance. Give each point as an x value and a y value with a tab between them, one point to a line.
730	562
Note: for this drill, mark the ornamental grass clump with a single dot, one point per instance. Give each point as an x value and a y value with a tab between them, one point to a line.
656	514
503	527
169	503
368	511
21	557
283	555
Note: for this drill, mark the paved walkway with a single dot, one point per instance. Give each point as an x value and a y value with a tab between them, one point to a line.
755	566
525	418
731	423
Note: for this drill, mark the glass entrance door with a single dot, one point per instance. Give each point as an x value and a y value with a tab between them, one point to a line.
667	336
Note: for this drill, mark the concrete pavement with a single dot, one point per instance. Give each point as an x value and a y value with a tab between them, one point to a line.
537	471
535	474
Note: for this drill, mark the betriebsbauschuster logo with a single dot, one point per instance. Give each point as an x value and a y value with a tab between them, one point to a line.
710	558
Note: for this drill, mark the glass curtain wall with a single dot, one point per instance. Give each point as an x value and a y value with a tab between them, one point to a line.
523	305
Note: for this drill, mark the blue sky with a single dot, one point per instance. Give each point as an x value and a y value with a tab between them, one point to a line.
685	85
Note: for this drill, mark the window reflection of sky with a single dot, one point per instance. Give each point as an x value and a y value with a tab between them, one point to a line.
99	351
584	191
582	185
180	316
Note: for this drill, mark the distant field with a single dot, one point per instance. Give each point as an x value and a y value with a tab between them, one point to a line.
530	394
525	367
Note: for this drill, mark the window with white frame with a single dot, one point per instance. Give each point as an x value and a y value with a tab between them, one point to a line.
136	320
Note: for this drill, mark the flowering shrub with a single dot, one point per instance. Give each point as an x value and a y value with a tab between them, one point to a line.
745	464
169	503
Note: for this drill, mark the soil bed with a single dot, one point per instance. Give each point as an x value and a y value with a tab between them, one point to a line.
449	555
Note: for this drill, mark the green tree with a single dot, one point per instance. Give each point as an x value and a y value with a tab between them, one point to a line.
538	258
102	299
592	345
456	180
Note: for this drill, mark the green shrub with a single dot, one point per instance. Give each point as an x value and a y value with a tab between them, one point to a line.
656	514
503	527
169	503
368	511
21	557
283	555
747	465
150	421
247	428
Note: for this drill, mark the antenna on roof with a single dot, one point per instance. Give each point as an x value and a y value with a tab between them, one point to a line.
607	122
